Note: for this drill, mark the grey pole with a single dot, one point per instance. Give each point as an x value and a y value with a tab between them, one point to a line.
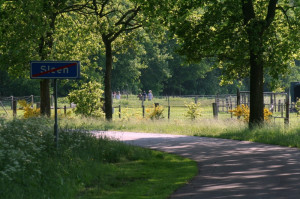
55	113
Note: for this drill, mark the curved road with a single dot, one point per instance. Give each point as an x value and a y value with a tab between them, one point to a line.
228	169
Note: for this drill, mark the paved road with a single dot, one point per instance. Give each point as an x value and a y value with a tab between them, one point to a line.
228	169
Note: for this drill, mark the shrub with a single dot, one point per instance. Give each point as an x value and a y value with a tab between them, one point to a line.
87	99
156	112
244	111
193	110
28	110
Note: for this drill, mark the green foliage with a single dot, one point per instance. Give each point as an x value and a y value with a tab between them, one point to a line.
28	110
193	110
83	166
156	112
23	144
220	30
297	106
88	99
243	36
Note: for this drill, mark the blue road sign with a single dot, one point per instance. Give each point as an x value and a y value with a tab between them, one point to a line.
54	69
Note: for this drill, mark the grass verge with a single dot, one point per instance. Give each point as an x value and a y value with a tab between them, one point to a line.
82	166
271	133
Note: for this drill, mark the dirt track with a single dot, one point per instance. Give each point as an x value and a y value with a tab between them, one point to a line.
227	169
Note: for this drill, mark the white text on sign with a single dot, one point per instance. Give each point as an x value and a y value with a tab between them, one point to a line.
48	68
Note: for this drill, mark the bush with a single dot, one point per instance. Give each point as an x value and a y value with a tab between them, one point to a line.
28	111
156	112
88	99
244	111
193	110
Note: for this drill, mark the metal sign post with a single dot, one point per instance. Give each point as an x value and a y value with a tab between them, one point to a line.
55	113
55	70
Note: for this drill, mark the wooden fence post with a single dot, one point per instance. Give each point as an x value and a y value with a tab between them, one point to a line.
119	111
143	107
14	105
238	97
275	108
65	110
287	112
12	102
231	111
32	100
215	110
169	112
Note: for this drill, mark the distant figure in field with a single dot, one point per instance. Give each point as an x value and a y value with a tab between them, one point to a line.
144	95
114	94
118	96
150	95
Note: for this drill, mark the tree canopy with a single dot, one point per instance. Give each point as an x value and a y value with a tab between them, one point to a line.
247	38
124	43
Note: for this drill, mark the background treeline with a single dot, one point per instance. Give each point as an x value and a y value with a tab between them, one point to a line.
167	76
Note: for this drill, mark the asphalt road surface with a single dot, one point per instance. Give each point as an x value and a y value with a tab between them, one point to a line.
228	169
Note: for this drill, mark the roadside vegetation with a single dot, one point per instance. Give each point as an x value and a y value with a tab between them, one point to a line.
86	167
82	166
271	133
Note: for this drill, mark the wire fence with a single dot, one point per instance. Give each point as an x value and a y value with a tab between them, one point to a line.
175	106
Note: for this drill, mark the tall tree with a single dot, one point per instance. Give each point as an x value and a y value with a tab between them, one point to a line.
115	20
51	10
247	37
27	31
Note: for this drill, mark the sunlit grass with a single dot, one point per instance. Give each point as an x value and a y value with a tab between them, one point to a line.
274	132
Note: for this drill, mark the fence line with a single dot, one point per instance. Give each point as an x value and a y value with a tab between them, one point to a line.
276	102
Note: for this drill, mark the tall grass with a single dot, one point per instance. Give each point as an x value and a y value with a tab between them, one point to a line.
83	166
272	133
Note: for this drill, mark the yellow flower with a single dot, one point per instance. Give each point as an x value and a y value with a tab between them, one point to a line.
244	111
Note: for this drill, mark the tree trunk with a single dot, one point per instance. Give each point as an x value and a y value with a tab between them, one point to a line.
256	75
256	92
45	97
255	30
107	80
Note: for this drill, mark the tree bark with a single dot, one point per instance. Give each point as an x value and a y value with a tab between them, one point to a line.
255	35
46	44
107	79
45	97
255	31
256	91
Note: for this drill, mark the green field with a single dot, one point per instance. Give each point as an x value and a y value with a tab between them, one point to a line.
131	108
